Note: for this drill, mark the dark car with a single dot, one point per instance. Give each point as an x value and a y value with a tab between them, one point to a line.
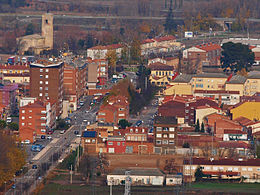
43	137
76	132
34	167
138	123
13	186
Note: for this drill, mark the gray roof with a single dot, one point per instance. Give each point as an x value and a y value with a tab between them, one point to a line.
210	75
245	41
165	120
138	171
183	78
254	75
237	79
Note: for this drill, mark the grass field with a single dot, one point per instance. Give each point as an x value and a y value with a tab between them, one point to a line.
228	187
59	184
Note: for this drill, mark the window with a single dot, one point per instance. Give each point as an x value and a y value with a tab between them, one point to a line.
101	113
40	82
235	169
30	110
46	76
159	135
165	142
171	135
229	168
23	117
30	123
22	124
165	129
30	116
41	76
110	143
158	128
47	70
87	141
165	135
46	88
41	70
93	141
43	130
171	128
249	169
46	94
46	82
171	142
23	111
243	169
40	88
40	94
158	142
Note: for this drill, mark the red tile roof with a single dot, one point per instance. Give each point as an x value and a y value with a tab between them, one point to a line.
234	144
209	47
230	131
161	66
147	41
14	67
243	120
165	38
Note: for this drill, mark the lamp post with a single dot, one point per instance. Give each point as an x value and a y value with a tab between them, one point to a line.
5	185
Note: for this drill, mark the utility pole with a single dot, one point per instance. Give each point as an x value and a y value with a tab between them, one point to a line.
71	174
111	185
127	183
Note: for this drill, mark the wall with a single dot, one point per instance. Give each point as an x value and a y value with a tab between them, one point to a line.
235	87
208	83
179	89
201	113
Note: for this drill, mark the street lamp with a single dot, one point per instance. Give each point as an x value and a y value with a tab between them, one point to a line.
5	185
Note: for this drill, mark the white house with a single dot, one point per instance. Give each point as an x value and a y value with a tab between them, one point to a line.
138	176
231	135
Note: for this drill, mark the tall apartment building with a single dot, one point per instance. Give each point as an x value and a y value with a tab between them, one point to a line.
74	83
97	72
46	82
35	119
165	134
8	96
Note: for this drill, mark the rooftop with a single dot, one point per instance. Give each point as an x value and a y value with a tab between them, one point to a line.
160	66
210	75
165	120
138	171
183	78
209	46
45	63
237	79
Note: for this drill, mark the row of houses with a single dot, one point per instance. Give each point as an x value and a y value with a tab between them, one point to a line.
164	44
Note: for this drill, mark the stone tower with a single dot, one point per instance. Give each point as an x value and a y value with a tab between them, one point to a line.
47	29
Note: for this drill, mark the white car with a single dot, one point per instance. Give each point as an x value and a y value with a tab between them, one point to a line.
8	119
26	141
49	137
62	131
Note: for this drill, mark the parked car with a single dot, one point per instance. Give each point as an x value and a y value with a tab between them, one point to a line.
62	131
50	132
13	186
26	141
138	123
34	167
49	137
43	136
76	132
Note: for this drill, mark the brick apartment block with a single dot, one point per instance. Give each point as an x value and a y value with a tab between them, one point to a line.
35	119
74	82
46	82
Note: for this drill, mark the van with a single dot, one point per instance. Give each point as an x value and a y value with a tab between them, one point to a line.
8	119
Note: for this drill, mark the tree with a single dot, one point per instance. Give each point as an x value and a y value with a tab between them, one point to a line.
202	128
170	167
29	29
236	57
84	167
170	26
258	151
124	123
2	124
112	59
135	51
197	127
13	126
186	145
198	174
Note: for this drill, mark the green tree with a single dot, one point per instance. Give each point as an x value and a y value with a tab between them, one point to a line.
186	145
236	57
89	41
202	128
197	127
2	124
135	51
198	174
13	126
29	29
124	123
170	25
258	151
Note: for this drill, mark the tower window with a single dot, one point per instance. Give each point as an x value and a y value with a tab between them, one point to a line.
46	21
